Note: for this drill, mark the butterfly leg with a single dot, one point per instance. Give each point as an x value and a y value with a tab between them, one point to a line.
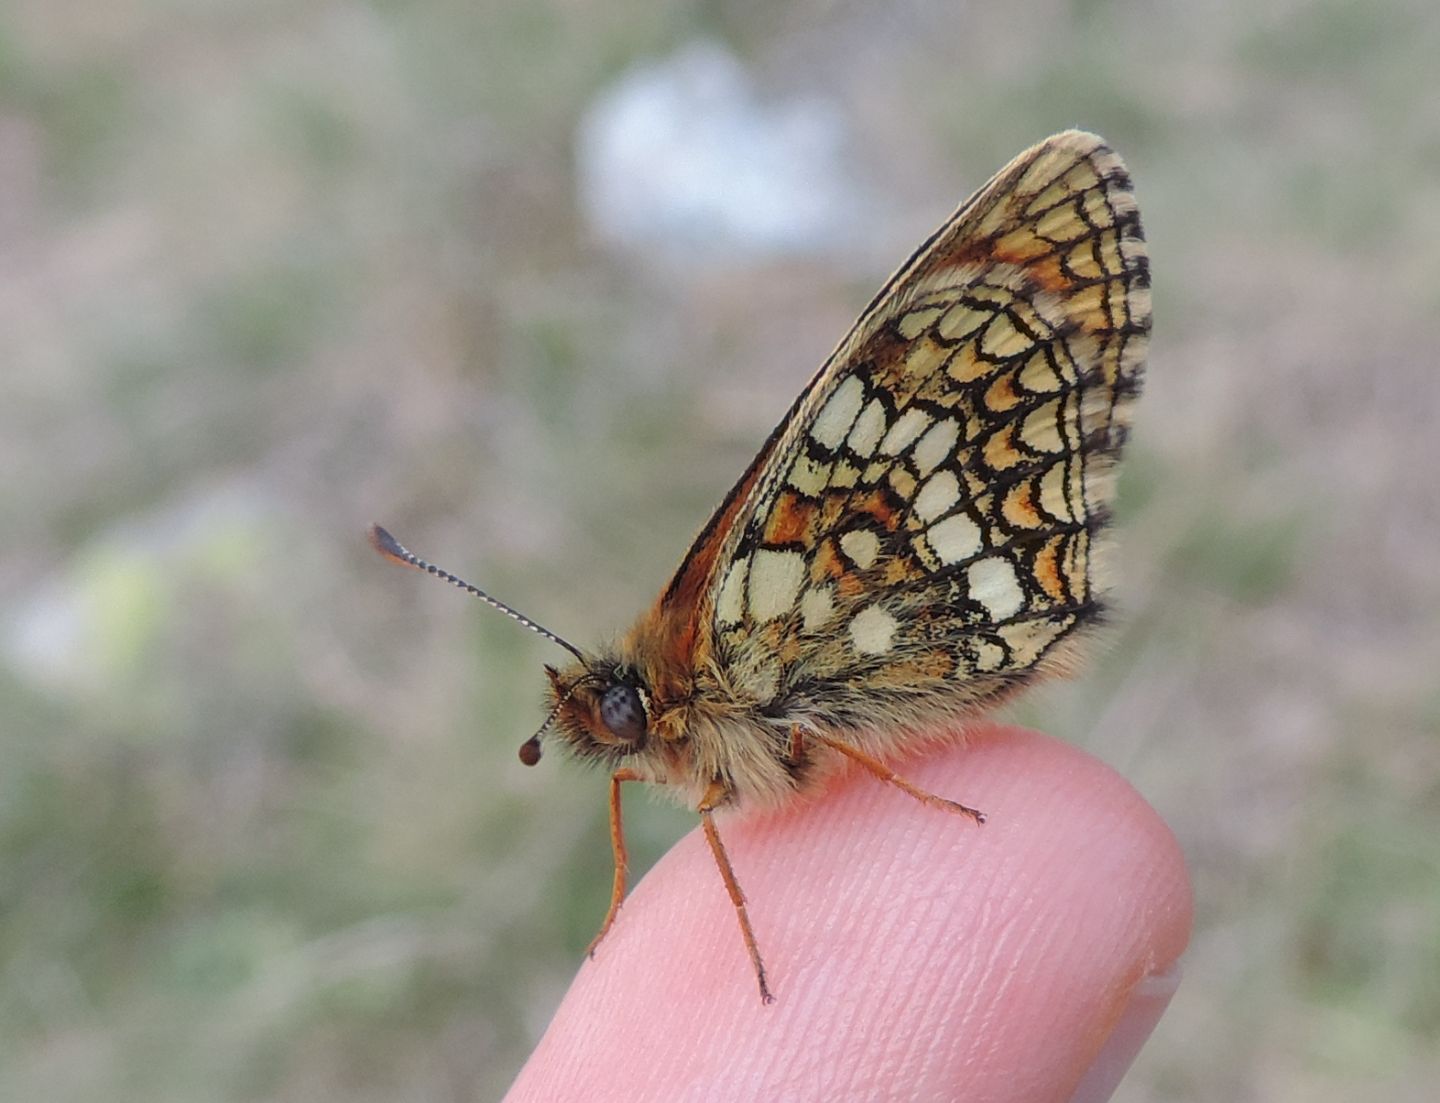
622	856
797	745
715	796
885	774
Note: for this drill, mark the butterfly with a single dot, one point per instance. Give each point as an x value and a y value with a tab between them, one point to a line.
924	533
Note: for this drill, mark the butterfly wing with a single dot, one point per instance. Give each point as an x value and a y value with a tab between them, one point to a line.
926	526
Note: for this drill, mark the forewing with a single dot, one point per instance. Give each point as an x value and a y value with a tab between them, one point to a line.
930	514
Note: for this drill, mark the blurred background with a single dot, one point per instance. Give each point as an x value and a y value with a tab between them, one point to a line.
530	281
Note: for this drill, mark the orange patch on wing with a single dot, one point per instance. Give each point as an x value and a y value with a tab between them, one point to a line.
1037	260
1000	450
790	520
936	664
1019	506
1001	394
917	669
835	506
1047	569
966	367
877	504
826	566
791	651
1048	274
897	571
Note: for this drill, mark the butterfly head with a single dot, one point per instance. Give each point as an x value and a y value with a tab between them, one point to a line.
601	710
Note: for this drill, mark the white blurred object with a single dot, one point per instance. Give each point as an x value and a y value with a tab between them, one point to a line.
682	158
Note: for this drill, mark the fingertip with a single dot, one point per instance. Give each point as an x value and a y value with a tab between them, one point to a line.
906	946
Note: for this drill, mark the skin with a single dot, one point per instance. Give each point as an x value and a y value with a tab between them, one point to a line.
913	954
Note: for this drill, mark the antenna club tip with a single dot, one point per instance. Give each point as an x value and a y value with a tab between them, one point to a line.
530	751
385	544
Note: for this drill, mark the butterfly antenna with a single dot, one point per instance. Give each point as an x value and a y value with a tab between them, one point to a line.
396	552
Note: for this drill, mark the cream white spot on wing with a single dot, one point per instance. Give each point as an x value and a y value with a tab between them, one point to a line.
906	428
775	578
1041	430
994	584
1027	639
935	446
869	427
1001	339
1039	375
955	538
838	414
729	605
916	322
843	475
923	358
817	606
808	476
1049	165
862	546
939	494
872	630
901	481
988	656
1061	224
962	320
1053	496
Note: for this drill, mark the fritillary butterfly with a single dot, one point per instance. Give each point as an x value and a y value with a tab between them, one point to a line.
922	535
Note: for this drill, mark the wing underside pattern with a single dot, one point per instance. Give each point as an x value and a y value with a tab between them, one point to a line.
932	513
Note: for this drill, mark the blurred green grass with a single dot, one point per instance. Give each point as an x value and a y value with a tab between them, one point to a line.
275	271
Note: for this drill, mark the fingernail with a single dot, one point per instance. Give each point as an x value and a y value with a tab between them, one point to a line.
1147	1004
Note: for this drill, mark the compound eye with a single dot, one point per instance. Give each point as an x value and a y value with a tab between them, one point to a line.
623	712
